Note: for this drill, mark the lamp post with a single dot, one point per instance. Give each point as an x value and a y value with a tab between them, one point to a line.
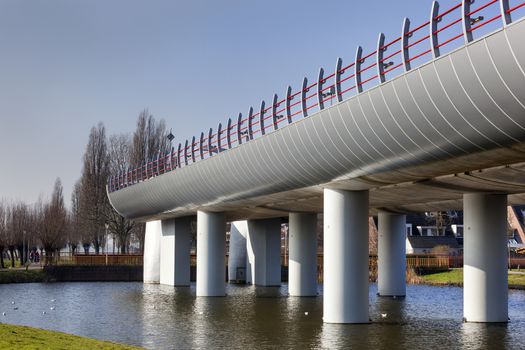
24	258
107	225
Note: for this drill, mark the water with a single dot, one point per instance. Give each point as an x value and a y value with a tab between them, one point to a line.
161	317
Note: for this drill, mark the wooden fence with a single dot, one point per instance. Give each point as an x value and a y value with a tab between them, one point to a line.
93	259
412	261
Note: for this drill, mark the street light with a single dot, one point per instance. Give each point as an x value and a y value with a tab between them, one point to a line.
24	257
107	225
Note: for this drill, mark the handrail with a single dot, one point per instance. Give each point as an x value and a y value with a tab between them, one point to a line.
297	104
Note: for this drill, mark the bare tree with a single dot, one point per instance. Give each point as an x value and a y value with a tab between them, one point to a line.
54	221
119	155
94	201
4	214
149	140
76	233
18	225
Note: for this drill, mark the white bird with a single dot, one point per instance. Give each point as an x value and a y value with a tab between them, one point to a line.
43	312
52	308
306	313
13	303
383	315
53	300
3	313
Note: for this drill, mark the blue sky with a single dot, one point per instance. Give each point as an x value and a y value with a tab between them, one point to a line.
66	65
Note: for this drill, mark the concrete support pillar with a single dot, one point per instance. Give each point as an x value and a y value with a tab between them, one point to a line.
237	254
391	254
345	296
485	293
151	258
302	266
264	252
211	252
175	252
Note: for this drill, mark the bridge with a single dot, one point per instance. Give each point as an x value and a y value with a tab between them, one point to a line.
431	120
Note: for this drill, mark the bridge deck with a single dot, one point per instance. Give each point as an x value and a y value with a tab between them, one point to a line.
403	139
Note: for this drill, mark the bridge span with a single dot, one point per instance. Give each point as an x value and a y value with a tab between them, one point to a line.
445	133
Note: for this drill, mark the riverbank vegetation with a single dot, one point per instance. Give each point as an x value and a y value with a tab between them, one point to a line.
22	337
25	276
455	277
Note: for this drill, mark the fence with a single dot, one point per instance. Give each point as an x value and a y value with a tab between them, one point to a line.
412	261
92	259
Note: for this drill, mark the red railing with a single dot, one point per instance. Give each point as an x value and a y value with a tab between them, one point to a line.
344	84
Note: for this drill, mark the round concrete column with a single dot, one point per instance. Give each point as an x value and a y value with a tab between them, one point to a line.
237	254
211	246
302	266
391	254
345	296
175	252
485	293
151	262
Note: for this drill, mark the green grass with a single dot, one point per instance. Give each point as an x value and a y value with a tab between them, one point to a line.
455	277
21	337
23	276
517	279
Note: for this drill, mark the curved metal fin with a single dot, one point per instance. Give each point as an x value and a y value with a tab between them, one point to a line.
357	69
210	142
320	83
303	97
219	138
505	14
179	154
201	146
338	73
261	119
228	136
274	112
239	129
404	44
186	153
466	21
433	29
250	124
288	108
379	57
193	149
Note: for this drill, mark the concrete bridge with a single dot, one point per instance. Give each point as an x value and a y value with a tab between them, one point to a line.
431	120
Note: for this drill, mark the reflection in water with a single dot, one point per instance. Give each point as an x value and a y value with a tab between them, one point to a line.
486	336
162	317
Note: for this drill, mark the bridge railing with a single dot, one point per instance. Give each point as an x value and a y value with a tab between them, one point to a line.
415	46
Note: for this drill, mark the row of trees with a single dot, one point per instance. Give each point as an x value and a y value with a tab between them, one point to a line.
49	226
26	227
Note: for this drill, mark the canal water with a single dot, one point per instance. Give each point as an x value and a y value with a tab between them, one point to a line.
161	317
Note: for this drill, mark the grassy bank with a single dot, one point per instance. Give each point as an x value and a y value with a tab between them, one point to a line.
21	337
455	277
23	276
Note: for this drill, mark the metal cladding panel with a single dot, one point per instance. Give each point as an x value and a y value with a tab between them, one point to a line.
469	100
449	115
409	130
382	122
